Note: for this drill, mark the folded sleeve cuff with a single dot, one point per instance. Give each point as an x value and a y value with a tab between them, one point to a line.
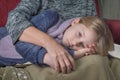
41	56
71	52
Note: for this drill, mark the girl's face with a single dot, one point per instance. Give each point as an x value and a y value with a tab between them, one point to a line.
78	36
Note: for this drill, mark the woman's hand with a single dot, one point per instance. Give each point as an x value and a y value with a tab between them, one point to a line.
58	58
62	61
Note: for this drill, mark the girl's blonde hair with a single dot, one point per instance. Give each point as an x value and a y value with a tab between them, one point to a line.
104	41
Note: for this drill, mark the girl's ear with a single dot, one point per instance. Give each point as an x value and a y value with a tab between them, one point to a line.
76	20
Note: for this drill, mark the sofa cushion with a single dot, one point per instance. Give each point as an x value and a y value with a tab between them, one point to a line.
5	7
115	29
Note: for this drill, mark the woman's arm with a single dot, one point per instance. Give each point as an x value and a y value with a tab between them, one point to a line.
19	19
62	61
19	27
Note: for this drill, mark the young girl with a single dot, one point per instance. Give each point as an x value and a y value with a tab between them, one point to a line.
79	36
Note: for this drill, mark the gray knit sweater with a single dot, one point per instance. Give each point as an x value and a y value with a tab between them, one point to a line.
18	19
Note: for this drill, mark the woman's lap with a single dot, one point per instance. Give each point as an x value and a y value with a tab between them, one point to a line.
115	66
93	67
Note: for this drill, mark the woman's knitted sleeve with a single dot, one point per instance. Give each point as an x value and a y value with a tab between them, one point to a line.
19	18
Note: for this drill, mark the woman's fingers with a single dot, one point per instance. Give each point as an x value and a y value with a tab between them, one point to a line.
63	61
69	62
62	65
66	63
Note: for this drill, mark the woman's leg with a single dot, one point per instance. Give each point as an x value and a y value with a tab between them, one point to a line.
115	66
93	67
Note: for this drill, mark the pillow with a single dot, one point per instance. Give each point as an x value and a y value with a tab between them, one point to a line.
5	7
115	29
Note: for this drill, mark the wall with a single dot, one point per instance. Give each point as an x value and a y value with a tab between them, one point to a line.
110	9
